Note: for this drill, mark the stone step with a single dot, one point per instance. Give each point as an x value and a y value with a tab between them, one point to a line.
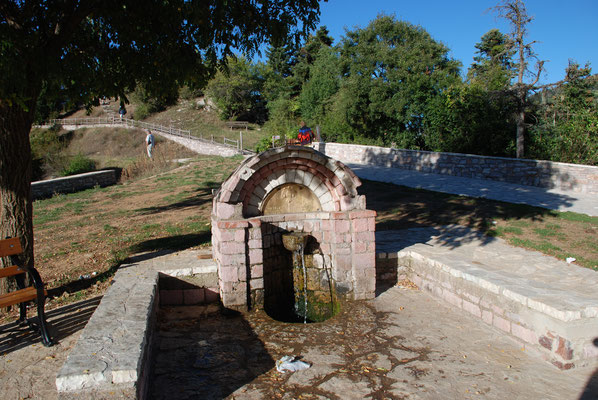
544	302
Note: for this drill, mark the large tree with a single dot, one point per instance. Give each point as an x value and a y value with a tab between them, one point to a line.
96	48
567	130
237	91
391	69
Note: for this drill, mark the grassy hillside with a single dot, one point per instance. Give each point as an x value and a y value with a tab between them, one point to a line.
88	234
118	147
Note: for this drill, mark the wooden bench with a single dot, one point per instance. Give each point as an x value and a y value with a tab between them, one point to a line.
11	248
237	124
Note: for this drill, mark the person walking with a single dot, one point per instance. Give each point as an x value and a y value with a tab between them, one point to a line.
122	111
149	142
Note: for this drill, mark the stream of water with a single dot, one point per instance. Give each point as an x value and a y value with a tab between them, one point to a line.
302	252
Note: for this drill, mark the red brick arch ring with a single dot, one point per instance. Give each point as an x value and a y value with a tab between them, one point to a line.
332	182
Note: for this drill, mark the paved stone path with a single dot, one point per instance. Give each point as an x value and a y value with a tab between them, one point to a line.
402	345
553	199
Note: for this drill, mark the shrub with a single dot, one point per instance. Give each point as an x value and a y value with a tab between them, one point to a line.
46	150
79	164
264	144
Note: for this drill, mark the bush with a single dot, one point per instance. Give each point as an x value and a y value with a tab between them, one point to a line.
79	164
141	112
150	104
264	144
46	150
188	93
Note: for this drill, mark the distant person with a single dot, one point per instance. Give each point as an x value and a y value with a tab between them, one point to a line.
149	141
122	111
306	136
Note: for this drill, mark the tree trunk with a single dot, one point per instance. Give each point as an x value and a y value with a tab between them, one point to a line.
520	133
16	208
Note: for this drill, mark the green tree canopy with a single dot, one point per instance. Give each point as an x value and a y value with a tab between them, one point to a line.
493	66
391	70
96	48
237	91
568	124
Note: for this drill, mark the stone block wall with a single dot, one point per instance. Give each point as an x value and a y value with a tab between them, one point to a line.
545	174
559	337
71	184
246	249
188	290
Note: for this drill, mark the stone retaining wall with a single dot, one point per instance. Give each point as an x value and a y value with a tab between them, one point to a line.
71	184
545	174
201	146
112	354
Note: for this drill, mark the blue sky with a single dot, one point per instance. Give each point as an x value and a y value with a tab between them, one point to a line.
565	29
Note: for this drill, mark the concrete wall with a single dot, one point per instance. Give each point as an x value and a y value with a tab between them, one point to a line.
75	183
545	174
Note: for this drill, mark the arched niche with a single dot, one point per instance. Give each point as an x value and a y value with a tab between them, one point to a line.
290	198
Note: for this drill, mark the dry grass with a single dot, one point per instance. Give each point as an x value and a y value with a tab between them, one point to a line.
558	234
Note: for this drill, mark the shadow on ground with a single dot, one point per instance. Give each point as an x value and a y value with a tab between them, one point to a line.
401	207
199	197
207	358
591	390
63	322
150	248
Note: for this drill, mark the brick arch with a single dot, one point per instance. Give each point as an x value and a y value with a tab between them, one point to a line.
291	170
333	183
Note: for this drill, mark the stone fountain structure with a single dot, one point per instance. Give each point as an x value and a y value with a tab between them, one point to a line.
268	203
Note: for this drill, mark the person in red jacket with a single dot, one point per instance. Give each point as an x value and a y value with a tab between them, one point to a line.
306	136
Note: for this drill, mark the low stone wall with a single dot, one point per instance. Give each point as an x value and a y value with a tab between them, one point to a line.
519	292
201	146
111	357
545	174
71	184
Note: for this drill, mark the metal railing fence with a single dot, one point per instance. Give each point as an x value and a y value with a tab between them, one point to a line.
131	124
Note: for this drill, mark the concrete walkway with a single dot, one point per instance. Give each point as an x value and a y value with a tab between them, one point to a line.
552	199
401	345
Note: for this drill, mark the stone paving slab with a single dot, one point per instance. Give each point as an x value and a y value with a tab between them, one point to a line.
552	199
404	344
525	293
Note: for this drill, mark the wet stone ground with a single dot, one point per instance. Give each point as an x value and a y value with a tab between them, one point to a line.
402	345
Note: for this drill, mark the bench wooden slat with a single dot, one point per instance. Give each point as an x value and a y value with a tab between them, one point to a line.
11	271
18	296
10	247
